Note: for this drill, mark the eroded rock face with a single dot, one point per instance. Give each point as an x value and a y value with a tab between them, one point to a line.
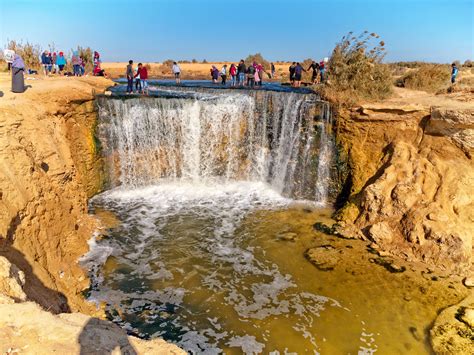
47	171
413	182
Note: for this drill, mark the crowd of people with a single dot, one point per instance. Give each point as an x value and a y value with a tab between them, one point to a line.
53	63
239	74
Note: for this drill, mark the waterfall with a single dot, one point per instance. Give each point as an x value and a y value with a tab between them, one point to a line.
214	136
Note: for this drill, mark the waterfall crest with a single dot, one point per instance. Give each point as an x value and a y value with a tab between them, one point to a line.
266	136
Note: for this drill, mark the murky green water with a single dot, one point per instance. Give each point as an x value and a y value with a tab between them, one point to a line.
223	270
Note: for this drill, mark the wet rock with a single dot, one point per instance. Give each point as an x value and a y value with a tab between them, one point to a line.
324	257
388	264
468	282
321	227
347	231
453	329
287	236
415	333
341	230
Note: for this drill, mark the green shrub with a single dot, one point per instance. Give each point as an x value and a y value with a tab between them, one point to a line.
355	70
429	77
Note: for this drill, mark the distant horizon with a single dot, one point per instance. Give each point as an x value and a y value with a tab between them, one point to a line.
437	31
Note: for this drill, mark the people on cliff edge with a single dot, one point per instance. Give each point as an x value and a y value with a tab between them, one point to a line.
233	75
76	63
291	69
176	72
214	74
322	71
251	76
143	74
98	71
61	62
298	74
241	71
129	75
272	70
45	62
138	84
315	67
223	74
454	73
18	80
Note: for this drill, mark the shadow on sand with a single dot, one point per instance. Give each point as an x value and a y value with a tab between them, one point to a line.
99	337
96	337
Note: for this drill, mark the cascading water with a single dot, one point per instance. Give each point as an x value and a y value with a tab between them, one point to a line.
191	172
266	137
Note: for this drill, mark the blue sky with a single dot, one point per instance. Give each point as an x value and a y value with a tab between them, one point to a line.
146	30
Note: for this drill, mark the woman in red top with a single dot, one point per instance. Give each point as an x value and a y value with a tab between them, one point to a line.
233	75
143	73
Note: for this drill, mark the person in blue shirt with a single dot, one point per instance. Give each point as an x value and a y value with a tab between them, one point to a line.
454	73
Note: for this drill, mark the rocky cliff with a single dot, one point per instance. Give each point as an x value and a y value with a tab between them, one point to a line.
49	167
410	185
47	170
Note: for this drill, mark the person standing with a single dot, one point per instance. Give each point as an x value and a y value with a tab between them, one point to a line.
76	63
50	62
321	71
55	63
315	67
454	73
251	76
233	74
298	74
18	80
224	74
82	66
291	69
97	61
138	84
260	70
129	75
143	74
256	77
44	62
177	72
214	74
61	62
272	69
241	71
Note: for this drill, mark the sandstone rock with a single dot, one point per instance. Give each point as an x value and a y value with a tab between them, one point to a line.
12	281
453	330
48	168
468	282
324	257
287	236
27	327
381	233
455	124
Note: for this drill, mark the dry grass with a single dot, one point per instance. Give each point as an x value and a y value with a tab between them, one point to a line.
356	72
428	77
